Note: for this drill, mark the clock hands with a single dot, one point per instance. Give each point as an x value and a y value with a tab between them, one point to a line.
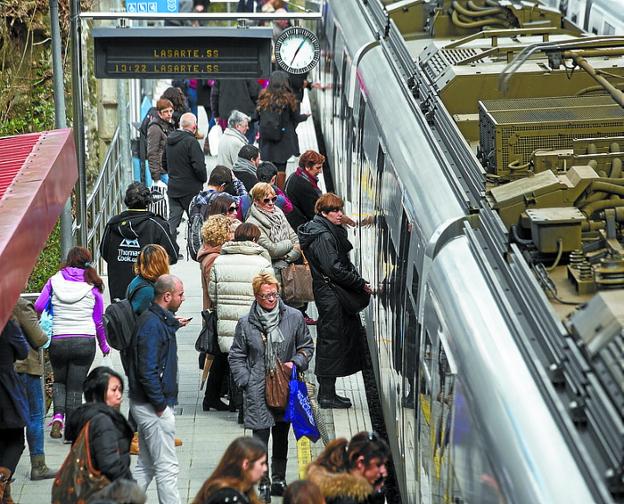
297	51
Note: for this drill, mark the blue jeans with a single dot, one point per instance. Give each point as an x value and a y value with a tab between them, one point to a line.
34	422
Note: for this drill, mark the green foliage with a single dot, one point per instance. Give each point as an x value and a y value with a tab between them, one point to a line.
48	262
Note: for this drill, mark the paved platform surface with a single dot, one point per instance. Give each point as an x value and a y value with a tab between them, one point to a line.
205	434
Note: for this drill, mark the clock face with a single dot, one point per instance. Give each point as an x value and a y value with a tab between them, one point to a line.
297	50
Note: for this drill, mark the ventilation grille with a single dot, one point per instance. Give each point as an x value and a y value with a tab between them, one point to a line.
444	58
511	130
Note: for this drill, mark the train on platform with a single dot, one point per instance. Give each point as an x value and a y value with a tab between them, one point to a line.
480	142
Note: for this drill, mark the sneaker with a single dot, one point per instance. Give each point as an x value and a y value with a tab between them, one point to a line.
278	487
264	489
309	321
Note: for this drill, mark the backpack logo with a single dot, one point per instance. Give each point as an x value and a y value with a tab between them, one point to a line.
130	243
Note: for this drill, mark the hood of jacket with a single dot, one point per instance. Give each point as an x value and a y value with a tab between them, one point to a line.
69	285
207	250
246	166
178	136
342	484
86	412
130	223
244	247
231	132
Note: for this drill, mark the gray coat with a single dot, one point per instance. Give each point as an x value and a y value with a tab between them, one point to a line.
247	360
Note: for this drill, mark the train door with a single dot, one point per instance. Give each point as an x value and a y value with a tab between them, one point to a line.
436	381
410	346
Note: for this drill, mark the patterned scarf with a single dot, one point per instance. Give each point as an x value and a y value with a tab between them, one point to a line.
274	221
300	172
269	320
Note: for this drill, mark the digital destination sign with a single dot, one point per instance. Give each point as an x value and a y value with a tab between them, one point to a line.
196	52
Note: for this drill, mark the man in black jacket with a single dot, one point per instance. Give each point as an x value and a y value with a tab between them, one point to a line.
127	233
246	166
187	169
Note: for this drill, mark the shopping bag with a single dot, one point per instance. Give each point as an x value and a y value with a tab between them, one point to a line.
46	321
299	410
214	137
160	200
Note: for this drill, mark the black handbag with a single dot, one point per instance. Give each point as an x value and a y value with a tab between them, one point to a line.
351	301
208	340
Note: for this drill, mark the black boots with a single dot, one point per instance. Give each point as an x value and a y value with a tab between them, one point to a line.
264	489
278	474
327	397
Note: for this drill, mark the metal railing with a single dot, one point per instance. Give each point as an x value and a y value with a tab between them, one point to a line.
105	198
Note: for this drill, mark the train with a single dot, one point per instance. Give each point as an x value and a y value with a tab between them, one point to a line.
600	17
480	143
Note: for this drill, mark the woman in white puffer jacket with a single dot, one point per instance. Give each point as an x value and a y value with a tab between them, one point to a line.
230	290
230	280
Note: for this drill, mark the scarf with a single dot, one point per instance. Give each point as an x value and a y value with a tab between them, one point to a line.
269	320
300	172
274	221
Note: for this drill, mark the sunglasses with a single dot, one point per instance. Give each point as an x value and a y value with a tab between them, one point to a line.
232	209
270	200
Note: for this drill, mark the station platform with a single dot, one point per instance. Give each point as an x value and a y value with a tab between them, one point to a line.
206	434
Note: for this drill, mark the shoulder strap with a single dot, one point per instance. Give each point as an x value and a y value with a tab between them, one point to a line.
137	289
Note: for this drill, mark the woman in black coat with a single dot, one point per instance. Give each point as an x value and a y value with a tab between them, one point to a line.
13	404
109	432
339	342
278	98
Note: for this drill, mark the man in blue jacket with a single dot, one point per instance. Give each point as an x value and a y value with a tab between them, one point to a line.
153	380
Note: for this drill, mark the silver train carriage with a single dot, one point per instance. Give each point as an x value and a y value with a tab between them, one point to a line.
488	391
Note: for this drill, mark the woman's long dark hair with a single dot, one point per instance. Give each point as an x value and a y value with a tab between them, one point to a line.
95	385
278	94
80	257
341	455
229	472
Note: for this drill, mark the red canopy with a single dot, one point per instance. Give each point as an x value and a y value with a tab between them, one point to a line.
37	174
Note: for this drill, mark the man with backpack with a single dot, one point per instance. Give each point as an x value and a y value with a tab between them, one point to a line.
127	233
158	130
221	179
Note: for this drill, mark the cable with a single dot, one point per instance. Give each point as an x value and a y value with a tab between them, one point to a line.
559	254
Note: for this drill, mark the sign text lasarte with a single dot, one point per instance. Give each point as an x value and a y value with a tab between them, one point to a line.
209	53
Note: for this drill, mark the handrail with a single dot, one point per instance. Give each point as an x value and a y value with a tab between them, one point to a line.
104	200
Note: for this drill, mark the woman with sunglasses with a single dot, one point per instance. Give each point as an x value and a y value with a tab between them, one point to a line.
352	472
276	235
271	333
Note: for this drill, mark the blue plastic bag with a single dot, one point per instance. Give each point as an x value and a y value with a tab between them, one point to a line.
46	321
299	410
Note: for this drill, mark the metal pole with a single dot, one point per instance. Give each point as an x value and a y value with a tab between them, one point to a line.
124	134
59	115
81	189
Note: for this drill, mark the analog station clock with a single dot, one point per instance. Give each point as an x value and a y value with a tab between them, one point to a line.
297	50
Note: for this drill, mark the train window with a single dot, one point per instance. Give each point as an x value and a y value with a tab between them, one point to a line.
472	477
608	29
349	149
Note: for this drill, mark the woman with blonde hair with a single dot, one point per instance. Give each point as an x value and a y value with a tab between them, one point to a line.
276	235
215	232
242	466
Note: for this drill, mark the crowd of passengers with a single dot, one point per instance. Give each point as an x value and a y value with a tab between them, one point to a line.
256	223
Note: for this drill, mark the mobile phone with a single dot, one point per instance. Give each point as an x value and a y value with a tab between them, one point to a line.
189	319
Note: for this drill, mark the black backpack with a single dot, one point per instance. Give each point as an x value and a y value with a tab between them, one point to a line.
120	322
149	117
271	124
198	210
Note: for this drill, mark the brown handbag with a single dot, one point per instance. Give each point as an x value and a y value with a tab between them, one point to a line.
276	386
77	479
297	283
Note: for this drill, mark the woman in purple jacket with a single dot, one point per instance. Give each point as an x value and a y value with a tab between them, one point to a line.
75	294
